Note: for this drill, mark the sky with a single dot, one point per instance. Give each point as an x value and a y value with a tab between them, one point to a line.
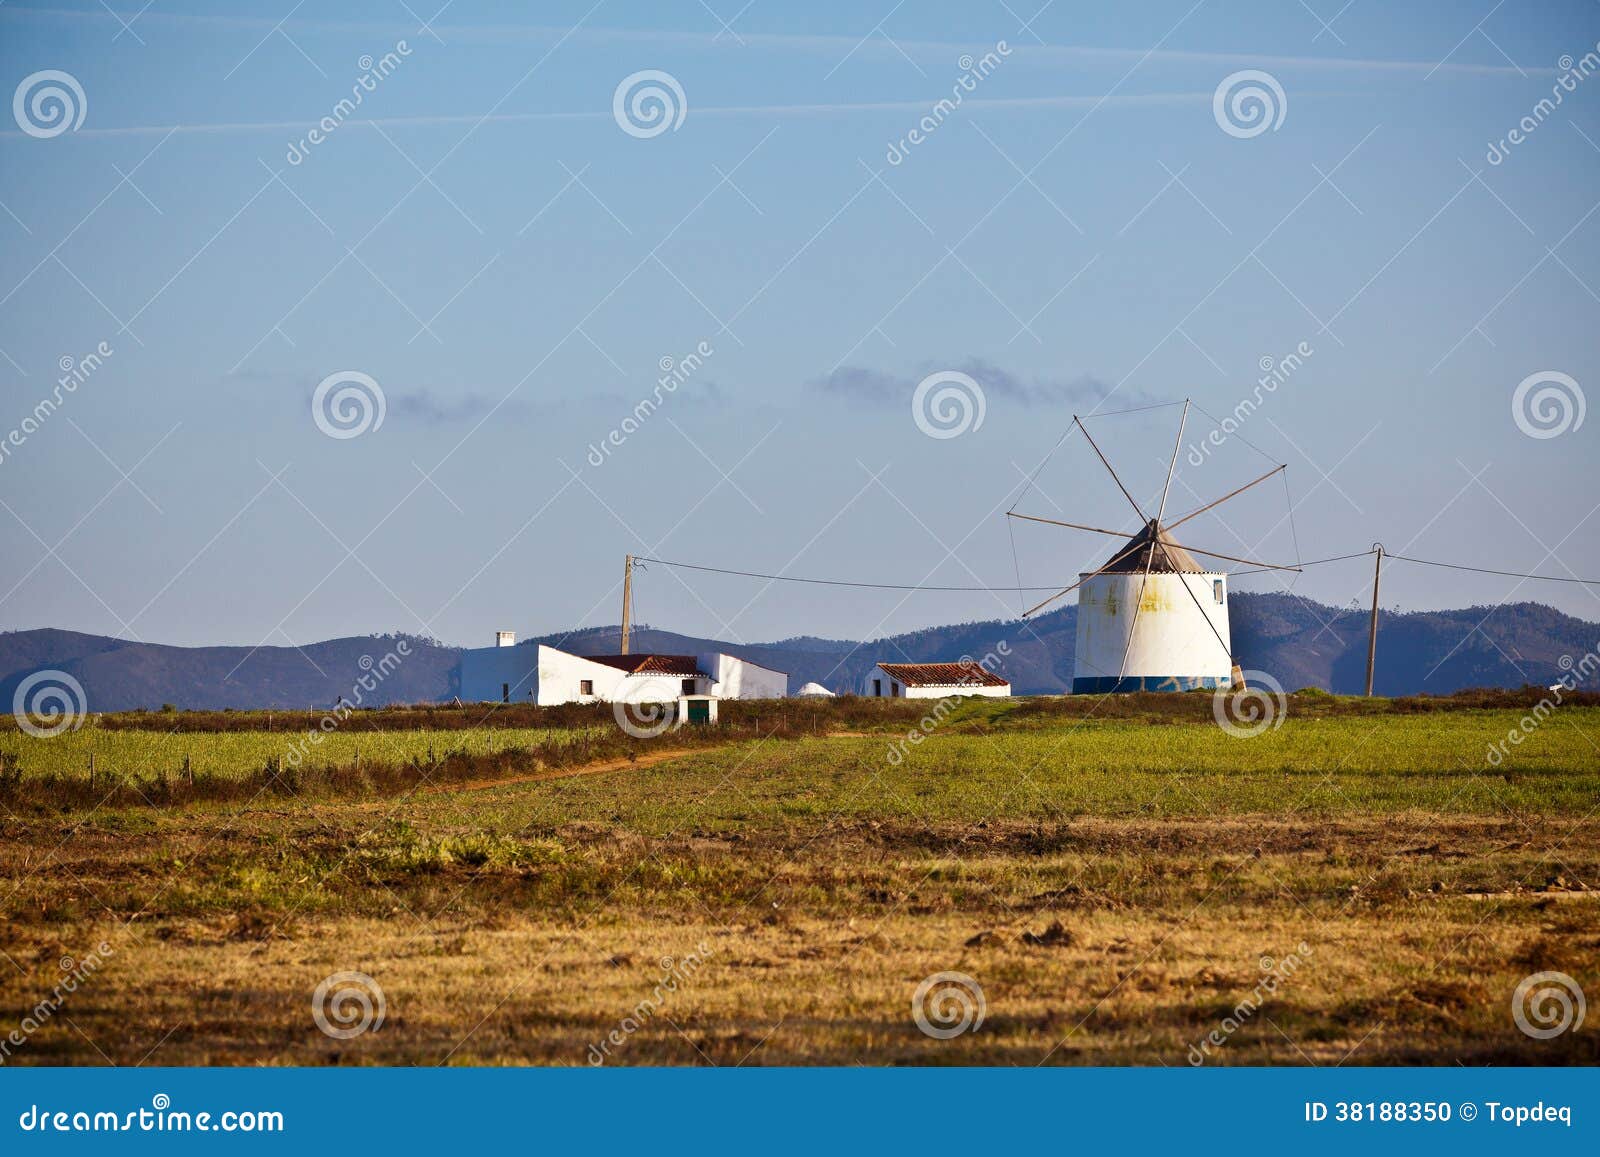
729	285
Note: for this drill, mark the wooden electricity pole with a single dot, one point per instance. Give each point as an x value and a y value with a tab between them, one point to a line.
1372	629
627	604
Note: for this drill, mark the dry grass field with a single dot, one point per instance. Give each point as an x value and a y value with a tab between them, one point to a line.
1359	886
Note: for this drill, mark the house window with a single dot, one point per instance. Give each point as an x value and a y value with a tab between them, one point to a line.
505	692
585	686
688	686
877	688
1216	590
894	689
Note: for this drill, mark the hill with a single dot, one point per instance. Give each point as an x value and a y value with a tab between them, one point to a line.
1299	643
119	675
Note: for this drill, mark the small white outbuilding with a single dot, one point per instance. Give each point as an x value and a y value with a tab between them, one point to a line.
813	691
544	675
933	681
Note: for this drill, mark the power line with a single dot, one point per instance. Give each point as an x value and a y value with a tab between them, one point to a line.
1313	562
836	582
1549	578
1008	590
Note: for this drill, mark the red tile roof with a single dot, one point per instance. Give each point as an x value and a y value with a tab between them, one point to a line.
966	673
684	665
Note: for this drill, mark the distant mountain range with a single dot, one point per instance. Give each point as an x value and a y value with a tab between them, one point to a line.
1299	643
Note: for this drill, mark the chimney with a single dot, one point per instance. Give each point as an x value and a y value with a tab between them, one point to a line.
505	638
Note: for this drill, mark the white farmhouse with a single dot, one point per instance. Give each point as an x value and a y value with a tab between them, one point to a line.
933	681
535	673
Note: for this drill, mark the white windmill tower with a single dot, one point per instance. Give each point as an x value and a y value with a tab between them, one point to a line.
1152	618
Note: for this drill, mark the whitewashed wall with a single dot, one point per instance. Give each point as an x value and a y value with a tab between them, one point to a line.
1173	638
547	676
561	678
733	678
485	669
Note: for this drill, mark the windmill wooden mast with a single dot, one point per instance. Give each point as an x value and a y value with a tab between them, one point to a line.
1152	618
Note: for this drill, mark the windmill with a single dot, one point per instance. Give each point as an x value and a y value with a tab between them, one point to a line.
1152	618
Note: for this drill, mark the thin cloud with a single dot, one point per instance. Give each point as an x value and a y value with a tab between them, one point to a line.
878	387
1123	100
705	394
821	44
431	406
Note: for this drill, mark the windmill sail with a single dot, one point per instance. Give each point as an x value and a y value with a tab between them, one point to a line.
1153	617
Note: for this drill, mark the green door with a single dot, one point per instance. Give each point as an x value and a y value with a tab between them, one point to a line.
699	711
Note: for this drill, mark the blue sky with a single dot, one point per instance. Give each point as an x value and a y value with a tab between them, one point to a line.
485	241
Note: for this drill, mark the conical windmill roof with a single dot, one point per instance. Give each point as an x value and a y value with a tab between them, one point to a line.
1155	550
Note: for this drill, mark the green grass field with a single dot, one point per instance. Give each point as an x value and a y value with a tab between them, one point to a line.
1111	887
230	754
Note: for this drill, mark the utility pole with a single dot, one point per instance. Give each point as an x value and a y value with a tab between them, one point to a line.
1372	630
627	606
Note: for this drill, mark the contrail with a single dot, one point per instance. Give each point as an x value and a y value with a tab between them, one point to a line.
1132	100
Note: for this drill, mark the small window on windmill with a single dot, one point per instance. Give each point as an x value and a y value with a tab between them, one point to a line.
585	686
1216	590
